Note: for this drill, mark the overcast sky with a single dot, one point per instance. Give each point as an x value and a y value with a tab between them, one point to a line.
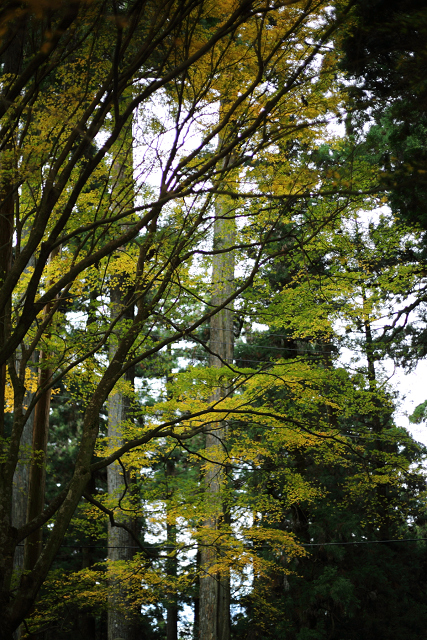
413	388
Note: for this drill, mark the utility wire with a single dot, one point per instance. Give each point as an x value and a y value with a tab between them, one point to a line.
324	544
241	358
262	346
316	351
305	544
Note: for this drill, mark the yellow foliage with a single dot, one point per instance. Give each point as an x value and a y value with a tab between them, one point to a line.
30	384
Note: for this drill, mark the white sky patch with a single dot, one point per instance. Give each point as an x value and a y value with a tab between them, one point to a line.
412	388
155	387
157	131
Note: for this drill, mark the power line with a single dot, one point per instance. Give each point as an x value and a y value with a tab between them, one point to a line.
243	359
324	544
262	346
304	544
316	350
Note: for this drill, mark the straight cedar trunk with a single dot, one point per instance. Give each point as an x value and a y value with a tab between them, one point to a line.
21	480
120	542
21	485
214	591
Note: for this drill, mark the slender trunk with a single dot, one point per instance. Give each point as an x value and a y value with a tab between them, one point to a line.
21	486
21	481
120	542
214	616
172	609
171	565
37	476
196	622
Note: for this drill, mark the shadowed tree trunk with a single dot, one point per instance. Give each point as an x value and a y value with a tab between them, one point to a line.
37	475
21	482
12	62
21	485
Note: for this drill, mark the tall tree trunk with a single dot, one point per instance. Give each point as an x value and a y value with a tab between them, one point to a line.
171	564
21	482
21	478
196	601
120	542
12	62
214	594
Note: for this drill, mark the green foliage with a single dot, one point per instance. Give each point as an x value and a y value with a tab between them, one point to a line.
419	414
112	297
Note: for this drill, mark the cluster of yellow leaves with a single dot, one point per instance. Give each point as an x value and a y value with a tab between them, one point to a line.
31	385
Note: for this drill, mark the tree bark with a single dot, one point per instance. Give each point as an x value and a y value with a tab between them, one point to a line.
21	484
214	594
120	542
12	62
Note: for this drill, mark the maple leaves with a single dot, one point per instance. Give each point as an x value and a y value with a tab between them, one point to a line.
122	141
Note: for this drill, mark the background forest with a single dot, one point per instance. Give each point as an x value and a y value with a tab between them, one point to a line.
213	252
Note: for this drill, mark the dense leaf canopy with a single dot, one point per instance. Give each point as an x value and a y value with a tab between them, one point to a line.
202	286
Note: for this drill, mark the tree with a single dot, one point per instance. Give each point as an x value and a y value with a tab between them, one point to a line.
214	598
332	592
384	50
85	70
